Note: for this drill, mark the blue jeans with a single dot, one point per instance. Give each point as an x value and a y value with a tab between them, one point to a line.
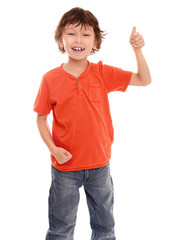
64	199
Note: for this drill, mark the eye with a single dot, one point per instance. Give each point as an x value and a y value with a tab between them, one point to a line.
71	34
86	35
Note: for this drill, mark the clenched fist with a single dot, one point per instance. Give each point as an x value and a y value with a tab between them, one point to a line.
61	155
136	40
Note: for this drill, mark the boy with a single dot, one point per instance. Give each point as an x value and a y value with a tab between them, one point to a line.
82	132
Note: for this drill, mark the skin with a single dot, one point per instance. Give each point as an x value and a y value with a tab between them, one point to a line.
143	76
77	37
80	37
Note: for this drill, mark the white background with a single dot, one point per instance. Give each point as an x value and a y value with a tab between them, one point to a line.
149	153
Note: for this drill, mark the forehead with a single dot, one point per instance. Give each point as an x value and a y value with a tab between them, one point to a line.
79	27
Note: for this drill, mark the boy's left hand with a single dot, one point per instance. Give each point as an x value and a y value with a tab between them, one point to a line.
136	40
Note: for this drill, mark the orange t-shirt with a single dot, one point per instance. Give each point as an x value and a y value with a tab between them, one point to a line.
82	122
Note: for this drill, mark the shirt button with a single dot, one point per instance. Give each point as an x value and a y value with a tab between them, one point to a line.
79	86
78	79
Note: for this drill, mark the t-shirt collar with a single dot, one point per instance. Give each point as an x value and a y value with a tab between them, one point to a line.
70	75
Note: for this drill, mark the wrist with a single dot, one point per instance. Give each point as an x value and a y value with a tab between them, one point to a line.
138	50
52	149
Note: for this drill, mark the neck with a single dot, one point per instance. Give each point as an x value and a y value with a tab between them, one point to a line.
75	67
77	64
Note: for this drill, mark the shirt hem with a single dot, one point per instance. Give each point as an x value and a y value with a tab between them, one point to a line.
79	168
41	112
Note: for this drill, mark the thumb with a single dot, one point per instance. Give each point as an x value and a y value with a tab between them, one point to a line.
134	29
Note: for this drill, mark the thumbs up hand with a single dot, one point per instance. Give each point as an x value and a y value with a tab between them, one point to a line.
136	40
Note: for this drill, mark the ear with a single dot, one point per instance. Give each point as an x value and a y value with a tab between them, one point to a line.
95	44
61	44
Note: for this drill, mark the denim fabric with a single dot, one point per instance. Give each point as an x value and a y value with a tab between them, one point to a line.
64	199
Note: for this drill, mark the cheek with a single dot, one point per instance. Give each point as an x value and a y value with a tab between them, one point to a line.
92	44
67	41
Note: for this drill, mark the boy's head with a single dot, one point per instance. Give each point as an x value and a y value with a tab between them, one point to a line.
84	19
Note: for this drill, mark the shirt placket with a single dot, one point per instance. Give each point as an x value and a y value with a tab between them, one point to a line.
79	87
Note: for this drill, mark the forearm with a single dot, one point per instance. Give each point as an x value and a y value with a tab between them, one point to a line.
61	155
45	133
142	67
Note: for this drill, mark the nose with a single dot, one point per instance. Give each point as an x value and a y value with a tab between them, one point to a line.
78	38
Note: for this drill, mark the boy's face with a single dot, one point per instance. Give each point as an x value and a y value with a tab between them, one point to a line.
78	41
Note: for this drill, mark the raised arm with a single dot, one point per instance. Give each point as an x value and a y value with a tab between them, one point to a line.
143	76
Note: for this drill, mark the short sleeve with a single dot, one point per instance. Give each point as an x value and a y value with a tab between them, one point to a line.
115	79
42	103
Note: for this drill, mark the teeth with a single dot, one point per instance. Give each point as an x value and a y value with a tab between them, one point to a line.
78	49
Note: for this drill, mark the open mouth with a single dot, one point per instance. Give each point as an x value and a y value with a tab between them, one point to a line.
78	49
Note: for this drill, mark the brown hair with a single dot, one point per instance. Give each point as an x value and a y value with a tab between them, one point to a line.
81	17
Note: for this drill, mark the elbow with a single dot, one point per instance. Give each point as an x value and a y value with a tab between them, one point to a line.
146	82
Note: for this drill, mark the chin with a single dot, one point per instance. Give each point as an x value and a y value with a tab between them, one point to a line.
78	58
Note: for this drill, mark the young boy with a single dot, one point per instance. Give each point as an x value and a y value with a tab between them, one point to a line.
82	131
